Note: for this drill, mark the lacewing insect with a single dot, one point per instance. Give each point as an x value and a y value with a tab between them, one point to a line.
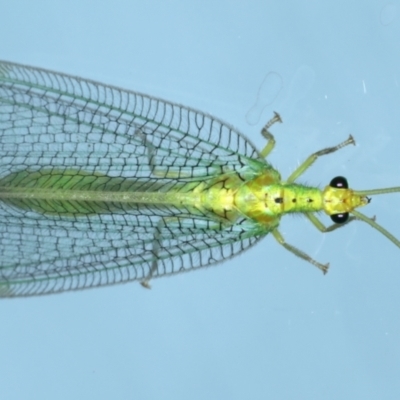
100	185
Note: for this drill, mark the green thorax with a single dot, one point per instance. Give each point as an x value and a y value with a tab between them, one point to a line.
266	198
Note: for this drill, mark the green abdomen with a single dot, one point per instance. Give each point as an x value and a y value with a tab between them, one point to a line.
72	192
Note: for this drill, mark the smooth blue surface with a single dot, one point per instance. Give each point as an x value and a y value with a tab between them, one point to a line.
264	325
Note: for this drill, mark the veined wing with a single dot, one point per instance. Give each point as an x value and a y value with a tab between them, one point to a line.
57	123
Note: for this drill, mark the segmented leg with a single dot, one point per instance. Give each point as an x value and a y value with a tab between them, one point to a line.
268	135
150	154
322	228
157	246
299	253
172	223
313	157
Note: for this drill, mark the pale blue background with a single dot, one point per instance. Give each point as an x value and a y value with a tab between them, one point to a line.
264	325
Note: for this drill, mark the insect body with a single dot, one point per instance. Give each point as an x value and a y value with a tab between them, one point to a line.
100	185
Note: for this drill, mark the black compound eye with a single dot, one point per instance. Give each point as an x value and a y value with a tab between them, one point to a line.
339	182
340	218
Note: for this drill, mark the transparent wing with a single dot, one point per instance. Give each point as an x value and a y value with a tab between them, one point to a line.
58	123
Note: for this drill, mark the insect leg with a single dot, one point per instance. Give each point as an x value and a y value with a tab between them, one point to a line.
165	233
150	154
298	253
268	135
151	150
312	158
322	228
155	250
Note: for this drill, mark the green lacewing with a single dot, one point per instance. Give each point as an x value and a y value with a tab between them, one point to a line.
101	185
